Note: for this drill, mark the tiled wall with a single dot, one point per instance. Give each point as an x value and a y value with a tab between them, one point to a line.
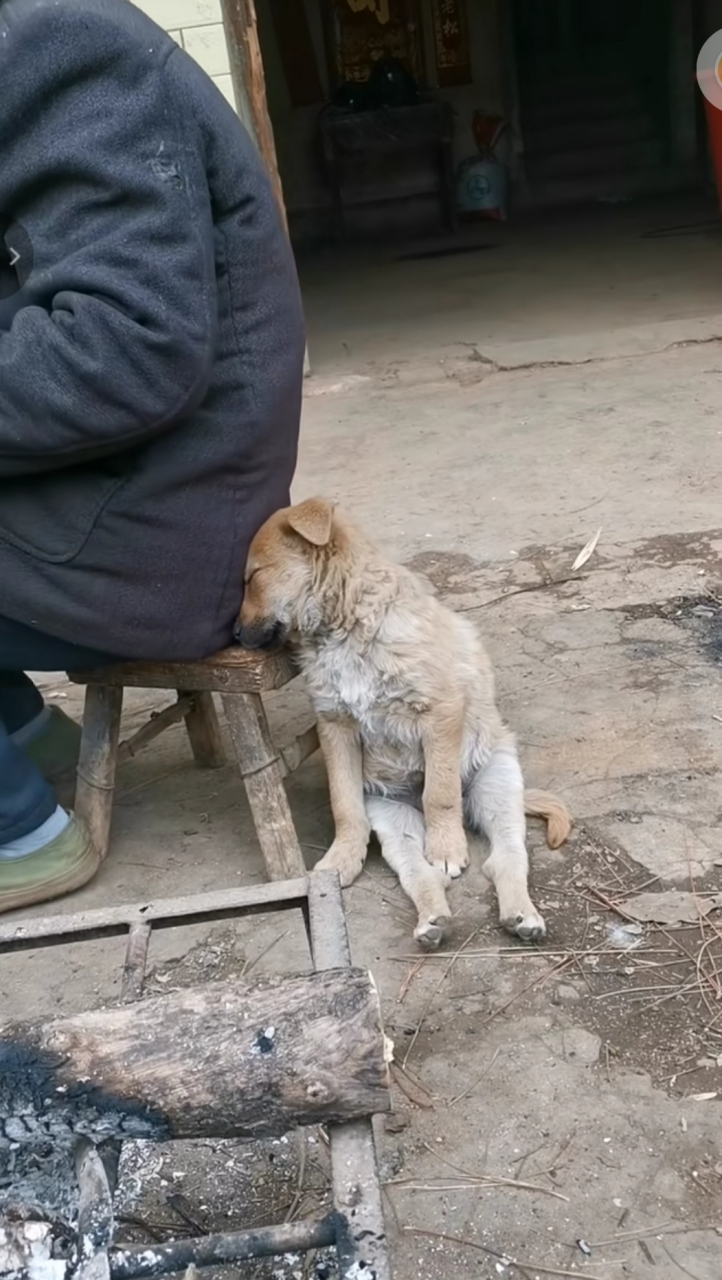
197	26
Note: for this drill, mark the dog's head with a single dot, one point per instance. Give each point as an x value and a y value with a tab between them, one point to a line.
282	574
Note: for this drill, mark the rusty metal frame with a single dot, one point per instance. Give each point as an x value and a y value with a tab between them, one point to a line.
356	1226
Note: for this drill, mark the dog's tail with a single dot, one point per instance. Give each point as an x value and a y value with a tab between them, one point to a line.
542	804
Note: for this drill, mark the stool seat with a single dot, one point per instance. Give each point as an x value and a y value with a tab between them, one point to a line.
242	670
240	677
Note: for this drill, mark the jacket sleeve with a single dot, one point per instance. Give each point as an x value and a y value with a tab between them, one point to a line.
111	339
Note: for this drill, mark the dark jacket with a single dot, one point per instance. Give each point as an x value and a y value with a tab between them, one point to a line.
151	365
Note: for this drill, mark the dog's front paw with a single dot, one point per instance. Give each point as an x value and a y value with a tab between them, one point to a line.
527	925
449	854
348	860
431	932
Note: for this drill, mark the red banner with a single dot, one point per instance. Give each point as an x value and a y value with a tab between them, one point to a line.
451	36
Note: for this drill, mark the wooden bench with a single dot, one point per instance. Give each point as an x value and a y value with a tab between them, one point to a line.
240	677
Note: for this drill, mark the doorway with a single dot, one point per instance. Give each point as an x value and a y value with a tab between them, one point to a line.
594	94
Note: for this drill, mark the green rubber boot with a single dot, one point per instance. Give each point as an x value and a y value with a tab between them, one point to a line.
66	863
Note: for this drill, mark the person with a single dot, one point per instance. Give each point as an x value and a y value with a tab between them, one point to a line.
151	367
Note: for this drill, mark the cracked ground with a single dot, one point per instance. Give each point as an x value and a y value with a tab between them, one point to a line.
558	1106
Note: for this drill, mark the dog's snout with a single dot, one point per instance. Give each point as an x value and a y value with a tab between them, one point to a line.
264	634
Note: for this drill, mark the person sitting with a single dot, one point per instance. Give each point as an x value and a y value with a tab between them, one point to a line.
151	368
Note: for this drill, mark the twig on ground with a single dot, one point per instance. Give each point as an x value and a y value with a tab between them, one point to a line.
411	1089
544	977
495	1178
158	1231
148	782
646	1006
436	991
401	909
665	1229
533	953
566	1144
610	904
460	1096
637	888
385	1192
293	1207
455	1168
614	853
714	980
685	1071
520	1266
583	972
678	1264
633	991
519	591
480	1180
251	964
677	945
182	1206
414	969
616	875
438	1184
520	1161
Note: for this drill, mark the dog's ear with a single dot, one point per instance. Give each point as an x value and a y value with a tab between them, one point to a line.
312	520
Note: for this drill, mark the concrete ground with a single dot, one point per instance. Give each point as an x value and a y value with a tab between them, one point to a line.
559	287
556	1106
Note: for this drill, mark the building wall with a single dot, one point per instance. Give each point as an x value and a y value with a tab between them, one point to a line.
197	26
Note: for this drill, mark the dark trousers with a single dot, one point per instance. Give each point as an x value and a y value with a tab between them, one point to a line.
26	799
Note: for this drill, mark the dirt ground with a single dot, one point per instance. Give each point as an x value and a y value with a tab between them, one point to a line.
556	1106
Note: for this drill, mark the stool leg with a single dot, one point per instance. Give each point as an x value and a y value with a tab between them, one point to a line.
204	732
261	772
98	760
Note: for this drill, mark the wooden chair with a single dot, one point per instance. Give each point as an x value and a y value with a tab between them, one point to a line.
241	677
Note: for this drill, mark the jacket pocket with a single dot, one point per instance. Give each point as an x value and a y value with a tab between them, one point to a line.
49	517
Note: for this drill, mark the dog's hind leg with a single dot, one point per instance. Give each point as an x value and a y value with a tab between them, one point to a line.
494	804
401	833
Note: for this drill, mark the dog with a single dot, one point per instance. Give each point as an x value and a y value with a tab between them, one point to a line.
403	690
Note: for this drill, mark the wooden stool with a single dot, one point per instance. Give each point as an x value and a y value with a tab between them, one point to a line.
240	677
